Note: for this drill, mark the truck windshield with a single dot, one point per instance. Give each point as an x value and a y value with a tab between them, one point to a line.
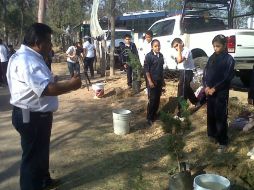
163	28
201	24
118	34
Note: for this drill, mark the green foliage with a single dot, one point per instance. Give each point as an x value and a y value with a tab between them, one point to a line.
170	123
136	65
184	107
174	125
175	145
19	15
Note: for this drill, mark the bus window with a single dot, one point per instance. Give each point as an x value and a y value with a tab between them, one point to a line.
163	28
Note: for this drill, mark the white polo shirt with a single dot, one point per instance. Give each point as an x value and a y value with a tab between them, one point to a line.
89	48
3	53
145	49
188	63
71	51
28	76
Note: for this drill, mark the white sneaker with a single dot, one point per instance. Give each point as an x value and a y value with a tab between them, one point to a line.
179	118
251	152
176	117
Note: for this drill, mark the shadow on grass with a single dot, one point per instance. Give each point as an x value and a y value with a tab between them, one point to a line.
5	99
123	162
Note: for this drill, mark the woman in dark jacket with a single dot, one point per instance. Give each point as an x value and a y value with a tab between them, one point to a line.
218	74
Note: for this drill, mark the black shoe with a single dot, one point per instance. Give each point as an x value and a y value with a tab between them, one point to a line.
198	105
149	123
50	183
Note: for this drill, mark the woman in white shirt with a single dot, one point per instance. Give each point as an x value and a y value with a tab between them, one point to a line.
89	54
72	60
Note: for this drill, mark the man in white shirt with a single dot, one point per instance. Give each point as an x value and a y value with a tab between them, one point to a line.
3	63
186	66
89	54
34	98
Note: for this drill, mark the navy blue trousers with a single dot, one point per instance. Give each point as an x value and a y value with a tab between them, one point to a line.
217	114
88	64
154	95
35	140
129	76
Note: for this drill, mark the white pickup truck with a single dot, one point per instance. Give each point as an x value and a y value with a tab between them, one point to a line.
197	32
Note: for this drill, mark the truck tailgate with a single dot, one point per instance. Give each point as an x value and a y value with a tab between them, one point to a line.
245	44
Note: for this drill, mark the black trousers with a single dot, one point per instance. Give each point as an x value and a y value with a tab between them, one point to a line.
35	140
154	95
129	76
3	69
184	89
88	64
217	113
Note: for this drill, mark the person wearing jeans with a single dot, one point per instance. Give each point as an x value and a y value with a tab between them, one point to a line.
72	60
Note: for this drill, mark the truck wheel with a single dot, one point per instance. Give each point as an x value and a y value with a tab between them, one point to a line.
200	62
198	53
245	77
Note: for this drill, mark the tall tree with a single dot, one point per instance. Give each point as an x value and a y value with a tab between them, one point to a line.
19	14
41	10
112	27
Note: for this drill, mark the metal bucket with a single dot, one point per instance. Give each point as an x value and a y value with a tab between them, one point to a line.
121	121
211	182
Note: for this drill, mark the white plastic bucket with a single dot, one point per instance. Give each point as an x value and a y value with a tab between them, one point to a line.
98	89
211	182
121	121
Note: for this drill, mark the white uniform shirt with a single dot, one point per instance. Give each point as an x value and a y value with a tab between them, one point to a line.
3	53
188	63
28	76
144	49
71	51
89	49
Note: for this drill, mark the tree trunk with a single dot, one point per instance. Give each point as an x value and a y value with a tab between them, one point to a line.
21	24
112	47
103	58
4	23
41	10
98	55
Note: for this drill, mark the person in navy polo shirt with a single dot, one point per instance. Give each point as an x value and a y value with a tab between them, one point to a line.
153	67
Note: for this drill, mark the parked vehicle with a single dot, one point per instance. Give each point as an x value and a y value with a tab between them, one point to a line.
197	28
119	34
